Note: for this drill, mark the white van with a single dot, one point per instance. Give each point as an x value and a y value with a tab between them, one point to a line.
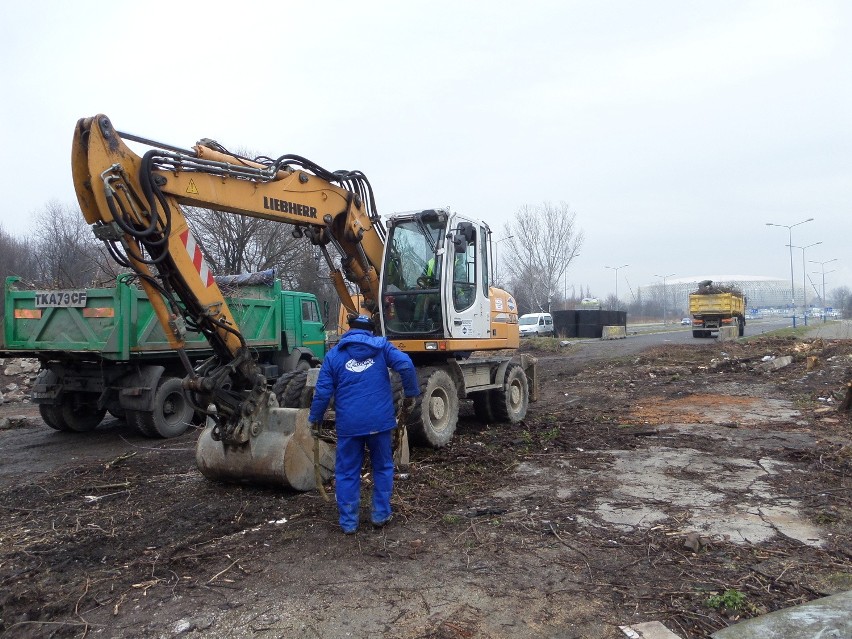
536	324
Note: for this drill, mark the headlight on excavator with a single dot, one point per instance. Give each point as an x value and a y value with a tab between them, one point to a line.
435	346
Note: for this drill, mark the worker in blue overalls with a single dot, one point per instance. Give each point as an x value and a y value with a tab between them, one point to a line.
355	372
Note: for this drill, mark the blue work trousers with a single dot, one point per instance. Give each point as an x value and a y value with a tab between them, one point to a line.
347	472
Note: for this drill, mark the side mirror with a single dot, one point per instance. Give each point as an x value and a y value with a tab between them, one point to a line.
459	244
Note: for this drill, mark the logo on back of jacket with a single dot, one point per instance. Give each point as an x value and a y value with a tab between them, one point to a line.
358	367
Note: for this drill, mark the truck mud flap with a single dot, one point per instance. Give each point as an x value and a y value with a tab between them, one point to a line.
279	453
138	389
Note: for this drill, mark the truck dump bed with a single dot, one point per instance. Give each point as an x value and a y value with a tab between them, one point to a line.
118	323
716	304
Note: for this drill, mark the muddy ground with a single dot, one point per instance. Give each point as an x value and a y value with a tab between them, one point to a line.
640	487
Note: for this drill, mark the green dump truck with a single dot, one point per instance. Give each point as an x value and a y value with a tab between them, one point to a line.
714	306
102	349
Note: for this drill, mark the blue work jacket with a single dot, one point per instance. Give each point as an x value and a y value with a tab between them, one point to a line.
355	372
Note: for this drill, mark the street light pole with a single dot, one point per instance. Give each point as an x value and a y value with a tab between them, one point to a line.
822	264
663	277
789	228
804	280
616	269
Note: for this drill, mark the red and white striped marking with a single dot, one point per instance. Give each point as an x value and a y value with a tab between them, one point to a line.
197	258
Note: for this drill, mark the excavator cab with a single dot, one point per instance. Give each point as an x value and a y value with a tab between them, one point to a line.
435	277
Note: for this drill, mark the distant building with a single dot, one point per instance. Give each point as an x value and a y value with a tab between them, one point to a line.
761	292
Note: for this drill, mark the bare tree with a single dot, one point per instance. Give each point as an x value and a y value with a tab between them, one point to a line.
542	242
841	297
66	253
240	244
16	256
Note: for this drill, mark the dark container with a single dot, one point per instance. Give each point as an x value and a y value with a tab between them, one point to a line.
565	323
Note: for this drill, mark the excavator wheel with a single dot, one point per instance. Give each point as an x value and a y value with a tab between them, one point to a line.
436	413
510	404
397	390
295	390
81	413
279	388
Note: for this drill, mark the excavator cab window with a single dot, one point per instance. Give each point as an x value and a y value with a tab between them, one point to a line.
464	270
483	250
411	293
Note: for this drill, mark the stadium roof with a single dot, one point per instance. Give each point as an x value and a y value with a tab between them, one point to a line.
723	278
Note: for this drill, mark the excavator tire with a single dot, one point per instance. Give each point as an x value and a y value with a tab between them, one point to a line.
280	386
397	390
510	404
436	413
295	389
81	414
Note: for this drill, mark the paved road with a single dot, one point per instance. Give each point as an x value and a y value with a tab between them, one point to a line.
641	337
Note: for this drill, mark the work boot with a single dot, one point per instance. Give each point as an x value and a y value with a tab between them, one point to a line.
382	524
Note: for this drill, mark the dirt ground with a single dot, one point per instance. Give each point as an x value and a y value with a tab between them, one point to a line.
640	486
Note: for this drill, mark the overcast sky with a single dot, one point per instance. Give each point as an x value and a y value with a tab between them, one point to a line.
674	129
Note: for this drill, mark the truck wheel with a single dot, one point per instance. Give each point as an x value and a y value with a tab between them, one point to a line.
510	403
172	412
436	413
52	417
81	414
482	407
741	323
144	426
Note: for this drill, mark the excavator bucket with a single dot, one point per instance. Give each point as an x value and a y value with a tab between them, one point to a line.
280	452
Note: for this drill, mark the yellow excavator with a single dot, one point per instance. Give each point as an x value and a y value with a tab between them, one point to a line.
425	279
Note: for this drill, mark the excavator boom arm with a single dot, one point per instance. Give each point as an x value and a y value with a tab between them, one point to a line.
133	203
139	198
